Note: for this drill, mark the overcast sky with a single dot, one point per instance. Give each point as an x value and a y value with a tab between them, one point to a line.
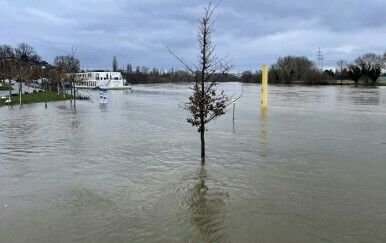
252	32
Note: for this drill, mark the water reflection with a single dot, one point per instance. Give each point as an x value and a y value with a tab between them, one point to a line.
293	93
103	107
127	92
368	96
208	211
263	134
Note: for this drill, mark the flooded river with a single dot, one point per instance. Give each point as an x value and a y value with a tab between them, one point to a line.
311	168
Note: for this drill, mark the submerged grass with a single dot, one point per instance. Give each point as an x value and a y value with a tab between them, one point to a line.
37	97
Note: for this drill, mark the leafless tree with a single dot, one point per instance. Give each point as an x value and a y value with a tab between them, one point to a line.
341	67
291	68
56	77
26	60
207	102
25	53
371	65
18	63
69	65
370	60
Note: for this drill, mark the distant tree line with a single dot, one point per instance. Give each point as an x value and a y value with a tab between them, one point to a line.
365	69
145	75
287	70
22	63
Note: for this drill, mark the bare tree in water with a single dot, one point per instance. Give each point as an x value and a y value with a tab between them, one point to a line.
71	65
207	102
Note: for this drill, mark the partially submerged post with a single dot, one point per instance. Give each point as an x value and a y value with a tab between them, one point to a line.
20	90
43	68
103	97
234	104
264	87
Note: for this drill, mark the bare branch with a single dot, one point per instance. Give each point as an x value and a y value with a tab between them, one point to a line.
189	68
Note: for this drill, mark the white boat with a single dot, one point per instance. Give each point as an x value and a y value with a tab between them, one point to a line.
100	80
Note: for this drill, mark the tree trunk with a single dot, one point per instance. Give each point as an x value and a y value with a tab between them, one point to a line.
74	97
20	91
10	91
71	92
203	145
202	125
64	92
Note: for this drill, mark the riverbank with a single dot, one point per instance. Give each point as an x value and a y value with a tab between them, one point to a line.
339	82
326	82
38	97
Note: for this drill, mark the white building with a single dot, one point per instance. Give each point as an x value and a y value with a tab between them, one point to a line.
102	80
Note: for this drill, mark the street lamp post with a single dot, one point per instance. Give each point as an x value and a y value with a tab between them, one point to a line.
45	91
45	86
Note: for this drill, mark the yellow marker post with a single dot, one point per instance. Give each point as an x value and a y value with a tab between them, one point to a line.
264	87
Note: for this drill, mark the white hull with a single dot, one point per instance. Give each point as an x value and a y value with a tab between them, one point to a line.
114	87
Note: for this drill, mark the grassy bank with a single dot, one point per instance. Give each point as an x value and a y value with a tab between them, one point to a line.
38	97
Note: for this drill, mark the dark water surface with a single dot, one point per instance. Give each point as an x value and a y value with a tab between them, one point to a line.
312	168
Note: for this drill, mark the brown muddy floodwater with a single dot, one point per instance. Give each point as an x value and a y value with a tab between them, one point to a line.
312	168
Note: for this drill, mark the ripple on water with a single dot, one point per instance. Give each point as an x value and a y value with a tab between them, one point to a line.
309	169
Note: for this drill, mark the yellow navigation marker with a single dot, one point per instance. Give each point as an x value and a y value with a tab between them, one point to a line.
264	87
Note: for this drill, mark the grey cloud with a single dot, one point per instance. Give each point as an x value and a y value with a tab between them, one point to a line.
139	32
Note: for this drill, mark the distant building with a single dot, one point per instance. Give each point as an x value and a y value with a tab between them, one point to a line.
103	80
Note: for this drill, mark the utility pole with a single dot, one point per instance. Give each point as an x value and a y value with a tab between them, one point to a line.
320	59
